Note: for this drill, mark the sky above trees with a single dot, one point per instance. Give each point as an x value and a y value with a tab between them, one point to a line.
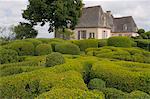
10	11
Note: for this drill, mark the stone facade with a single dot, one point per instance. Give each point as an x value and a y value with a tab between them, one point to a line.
95	23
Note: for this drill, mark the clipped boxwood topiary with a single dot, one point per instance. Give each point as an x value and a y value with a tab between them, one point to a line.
84	44
54	58
8	56
67	48
139	95
43	49
22	47
119	41
96	84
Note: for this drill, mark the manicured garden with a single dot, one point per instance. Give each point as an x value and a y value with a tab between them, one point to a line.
114	68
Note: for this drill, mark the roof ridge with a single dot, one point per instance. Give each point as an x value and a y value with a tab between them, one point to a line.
92	6
123	17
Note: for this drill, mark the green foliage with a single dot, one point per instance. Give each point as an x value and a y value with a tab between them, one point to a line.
139	95
127	54
17	69
65	93
96	84
47	41
67	48
43	49
53	44
8	56
140	31
35	42
54	59
102	42
84	44
66	12
29	85
22	47
24	30
119	41
112	93
144	44
126	76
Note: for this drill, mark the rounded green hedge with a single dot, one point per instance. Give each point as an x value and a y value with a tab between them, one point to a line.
139	95
8	56
43	49
67	48
96	84
119	41
35	42
84	44
22	47
54	58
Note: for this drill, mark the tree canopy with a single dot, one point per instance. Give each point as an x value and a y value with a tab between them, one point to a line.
24	30
58	13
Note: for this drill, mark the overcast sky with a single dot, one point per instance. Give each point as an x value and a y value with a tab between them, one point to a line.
10	11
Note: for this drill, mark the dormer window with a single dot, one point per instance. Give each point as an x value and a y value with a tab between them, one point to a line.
125	27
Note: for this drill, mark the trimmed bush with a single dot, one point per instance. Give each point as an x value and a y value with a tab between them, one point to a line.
125	76
22	47
96	84
35	42
67	48
127	54
65	93
144	44
102	42
54	58
112	93
119	41
84	44
8	56
30	85
53	44
43	49
139	95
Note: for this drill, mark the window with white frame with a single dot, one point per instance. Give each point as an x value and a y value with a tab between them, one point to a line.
104	34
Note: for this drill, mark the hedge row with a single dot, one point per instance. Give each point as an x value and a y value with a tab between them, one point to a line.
127	54
17	70
144	44
29	85
67	48
126	76
65	93
84	44
8	56
119	41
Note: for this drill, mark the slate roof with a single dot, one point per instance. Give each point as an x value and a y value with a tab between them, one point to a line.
94	17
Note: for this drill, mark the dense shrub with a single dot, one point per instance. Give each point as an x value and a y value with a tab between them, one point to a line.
84	44
17	69
65	93
126	76
53	44
127	54
112	93
139	95
43	49
67	48
102	42
8	56
54	59
35	42
29	85
96	84
47	41
145	44
119	41
22	47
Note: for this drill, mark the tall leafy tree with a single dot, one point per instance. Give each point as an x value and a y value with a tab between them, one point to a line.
24	30
60	14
